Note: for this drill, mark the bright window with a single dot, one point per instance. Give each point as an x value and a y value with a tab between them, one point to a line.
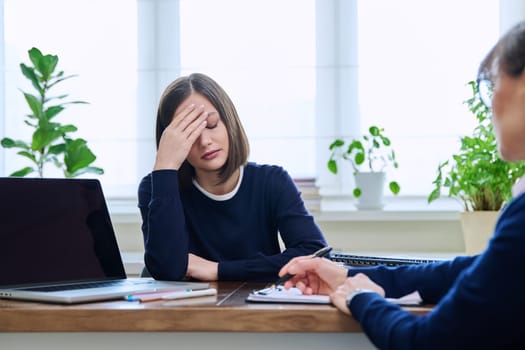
263	54
414	60
96	40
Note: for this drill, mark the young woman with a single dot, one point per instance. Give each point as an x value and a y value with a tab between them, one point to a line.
479	299
207	213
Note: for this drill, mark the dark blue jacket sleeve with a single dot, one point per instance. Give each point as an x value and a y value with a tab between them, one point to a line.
402	280
163	226
483	308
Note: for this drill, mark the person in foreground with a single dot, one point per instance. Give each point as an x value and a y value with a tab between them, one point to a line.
479	302
207	213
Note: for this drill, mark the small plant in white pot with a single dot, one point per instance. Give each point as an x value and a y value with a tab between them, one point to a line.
369	157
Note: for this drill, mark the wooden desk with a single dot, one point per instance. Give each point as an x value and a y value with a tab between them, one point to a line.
227	312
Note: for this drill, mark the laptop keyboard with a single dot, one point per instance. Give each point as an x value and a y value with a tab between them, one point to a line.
76	286
364	261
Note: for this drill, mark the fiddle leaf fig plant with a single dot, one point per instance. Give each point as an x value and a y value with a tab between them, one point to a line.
51	141
476	175
372	153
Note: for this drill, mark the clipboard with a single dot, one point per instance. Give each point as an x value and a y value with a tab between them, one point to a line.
281	295
294	295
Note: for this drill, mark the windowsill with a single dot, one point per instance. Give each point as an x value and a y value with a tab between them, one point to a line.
133	263
334	209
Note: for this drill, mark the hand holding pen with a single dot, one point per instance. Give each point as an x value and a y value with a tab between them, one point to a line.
318	254
314	276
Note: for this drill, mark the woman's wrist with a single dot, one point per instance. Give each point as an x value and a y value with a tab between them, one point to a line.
356	292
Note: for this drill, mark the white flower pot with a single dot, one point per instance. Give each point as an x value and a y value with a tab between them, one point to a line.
478	228
372	185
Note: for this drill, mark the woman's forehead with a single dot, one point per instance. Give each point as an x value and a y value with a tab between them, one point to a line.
196	99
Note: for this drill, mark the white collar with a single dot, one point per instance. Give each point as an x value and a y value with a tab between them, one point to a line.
519	187
221	197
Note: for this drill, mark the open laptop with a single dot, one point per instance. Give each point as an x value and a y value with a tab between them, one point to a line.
57	244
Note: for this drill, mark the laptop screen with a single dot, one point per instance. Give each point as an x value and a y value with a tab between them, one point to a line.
54	230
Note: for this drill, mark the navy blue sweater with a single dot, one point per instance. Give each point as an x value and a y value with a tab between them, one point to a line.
240	233
480	300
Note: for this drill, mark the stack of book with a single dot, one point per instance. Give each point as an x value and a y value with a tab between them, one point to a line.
309	193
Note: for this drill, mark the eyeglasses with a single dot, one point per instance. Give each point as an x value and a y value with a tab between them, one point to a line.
485	92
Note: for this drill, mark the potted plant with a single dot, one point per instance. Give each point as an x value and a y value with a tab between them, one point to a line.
51	141
477	177
369	157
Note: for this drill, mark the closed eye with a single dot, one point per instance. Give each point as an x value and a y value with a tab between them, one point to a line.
212	121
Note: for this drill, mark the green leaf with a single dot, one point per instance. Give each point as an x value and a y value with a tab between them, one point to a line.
46	66
22	172
51	62
34	103
43	138
27	154
29	73
10	143
394	187
359	158
59	77
59	97
336	143
53	111
77	103
435	194
357	192
35	56
374	131
77	155
7	142
355	145
57	149
332	166
64	129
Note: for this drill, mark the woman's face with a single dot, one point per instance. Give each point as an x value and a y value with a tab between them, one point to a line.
210	151
508	113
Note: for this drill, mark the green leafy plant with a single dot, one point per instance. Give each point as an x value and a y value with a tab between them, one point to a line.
373	153
51	141
476	175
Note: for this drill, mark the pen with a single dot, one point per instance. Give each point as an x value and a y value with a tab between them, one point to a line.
150	296
318	254
190	294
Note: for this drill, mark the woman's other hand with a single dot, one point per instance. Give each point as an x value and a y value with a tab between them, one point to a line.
202	269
